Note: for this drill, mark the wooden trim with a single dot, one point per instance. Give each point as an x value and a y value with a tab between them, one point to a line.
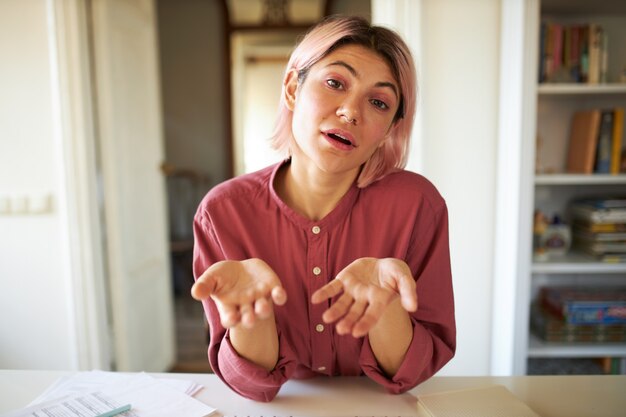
228	91
271	28
229	29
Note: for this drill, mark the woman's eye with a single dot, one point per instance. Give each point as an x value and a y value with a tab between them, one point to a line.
380	104
333	83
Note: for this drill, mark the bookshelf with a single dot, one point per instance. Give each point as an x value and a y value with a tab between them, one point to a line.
549	108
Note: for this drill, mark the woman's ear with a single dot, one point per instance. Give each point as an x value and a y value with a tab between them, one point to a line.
290	87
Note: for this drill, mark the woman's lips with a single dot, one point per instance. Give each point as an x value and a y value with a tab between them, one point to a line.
340	138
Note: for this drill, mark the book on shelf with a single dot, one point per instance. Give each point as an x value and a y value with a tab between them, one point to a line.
605	143
599	237
573	53
595	53
595	142
601	248
616	145
612	258
583	141
554	329
585	305
590	227
614	365
599	211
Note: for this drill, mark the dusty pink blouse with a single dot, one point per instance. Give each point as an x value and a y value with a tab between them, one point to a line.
401	216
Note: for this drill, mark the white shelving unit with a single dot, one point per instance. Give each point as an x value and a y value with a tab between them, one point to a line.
548	110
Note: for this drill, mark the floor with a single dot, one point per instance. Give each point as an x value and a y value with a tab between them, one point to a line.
191	336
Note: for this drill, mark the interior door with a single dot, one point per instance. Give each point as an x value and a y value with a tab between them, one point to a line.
131	151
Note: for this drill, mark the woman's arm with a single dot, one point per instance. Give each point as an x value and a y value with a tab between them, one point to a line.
376	295
390	338
258	344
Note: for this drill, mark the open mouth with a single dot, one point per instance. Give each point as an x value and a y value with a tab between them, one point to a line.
339	138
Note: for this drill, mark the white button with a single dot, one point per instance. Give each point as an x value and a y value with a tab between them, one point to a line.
321	368
317	270
319	328
316	230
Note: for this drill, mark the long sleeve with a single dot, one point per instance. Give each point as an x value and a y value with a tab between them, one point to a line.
244	377
434	334
401	216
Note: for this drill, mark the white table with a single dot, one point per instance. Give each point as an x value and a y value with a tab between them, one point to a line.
549	396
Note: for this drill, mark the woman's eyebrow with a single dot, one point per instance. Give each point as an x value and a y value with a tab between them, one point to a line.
352	71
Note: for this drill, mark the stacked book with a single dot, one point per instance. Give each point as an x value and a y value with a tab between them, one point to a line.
600	228
574	314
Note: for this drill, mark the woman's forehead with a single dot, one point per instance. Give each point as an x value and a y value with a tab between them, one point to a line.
361	59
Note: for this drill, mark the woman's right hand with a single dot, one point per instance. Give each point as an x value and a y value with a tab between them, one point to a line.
243	291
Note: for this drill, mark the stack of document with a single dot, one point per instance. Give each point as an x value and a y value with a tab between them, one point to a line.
92	394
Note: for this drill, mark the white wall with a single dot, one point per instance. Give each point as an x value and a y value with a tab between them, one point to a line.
35	327
455	43
459	84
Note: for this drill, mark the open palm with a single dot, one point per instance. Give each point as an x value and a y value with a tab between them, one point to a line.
367	286
242	290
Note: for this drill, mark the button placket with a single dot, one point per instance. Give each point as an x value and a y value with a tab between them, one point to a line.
321	343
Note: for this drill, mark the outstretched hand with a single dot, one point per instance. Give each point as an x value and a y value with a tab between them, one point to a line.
369	285
243	291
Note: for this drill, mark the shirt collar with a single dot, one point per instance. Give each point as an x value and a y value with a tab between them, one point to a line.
337	215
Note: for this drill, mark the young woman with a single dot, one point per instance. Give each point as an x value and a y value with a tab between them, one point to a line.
334	261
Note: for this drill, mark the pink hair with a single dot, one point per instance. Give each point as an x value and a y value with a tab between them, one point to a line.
331	34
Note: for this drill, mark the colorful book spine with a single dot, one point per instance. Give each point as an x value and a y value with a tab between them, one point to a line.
595	53
585	306
605	139
592	312
618	131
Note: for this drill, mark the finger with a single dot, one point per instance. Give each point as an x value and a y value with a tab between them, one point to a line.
209	281
279	295
368	320
408	295
248	317
203	287
339	309
327	291
229	315
262	308
345	325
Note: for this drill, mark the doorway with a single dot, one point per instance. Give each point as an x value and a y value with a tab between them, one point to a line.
206	139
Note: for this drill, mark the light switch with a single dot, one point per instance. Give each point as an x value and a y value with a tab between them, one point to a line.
40	203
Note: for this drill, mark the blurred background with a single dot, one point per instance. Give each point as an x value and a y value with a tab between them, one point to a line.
117	116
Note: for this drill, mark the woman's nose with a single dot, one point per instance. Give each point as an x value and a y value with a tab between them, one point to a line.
349	112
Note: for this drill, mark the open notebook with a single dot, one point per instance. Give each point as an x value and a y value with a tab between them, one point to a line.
492	401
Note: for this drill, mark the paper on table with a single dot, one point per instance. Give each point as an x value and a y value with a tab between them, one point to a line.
492	401
94	380
150	397
91	404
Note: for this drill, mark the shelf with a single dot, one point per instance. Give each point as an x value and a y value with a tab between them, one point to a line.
581	89
537	348
576	263
579	179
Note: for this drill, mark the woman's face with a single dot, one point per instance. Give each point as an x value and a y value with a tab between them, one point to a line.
343	110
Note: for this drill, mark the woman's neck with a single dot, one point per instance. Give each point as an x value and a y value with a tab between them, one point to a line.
312	194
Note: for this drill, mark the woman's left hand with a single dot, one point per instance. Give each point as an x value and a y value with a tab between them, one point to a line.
369	285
